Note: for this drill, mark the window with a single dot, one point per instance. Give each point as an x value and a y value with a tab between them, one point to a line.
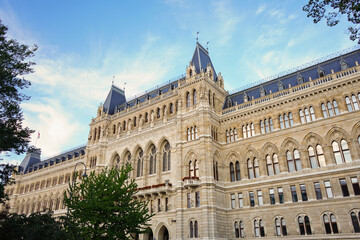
294	193
341	154
166	157
344	188
166	204
239	229
171	108
252	200
159	205
235	134
152	161
232	201
355	183
188	134
197	199
355	222
252	129
256	228
302	116
253	168
260	198
262	229
330	224
304	225
293	160
196	132
237	165
194	229
194	97
303	192
312	113
280	226
348	104
281	195
227	136
244	132
191	169
241	200
187	99
317	191
231	135
286	120
232	172
316	156
272	164
139	169
188	198
272	196
328	189
216	173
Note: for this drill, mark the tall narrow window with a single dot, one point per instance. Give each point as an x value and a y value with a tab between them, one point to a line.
191	229
262	228
281	195
301	226
140	164
256	168
272	196
250	169
232	201
196	132
281	122
252	200
256	229
188	200
290	161
231	135
241	200
355	102
355	184
252	129
232	172
330	109
196	168
260	198
348	104
227	136
187	99
235	134
303	192
166	157
244	131
328	189
297	160
242	231
336	109
191	169
197	199
342	155
294	193
317	191
278	227
344	188
188	134
192	133
248	130
312	114
269	164
323	108
237	230
267	129
291	119
194	97
355	222
262	126
307	225
152	160
237	165
327	224
215	168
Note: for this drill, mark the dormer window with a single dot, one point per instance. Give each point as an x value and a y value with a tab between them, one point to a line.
321	72
148	97
344	65
262	92
246	97
280	86
229	102
300	79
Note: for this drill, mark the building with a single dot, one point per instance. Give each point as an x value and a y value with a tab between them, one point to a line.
280	158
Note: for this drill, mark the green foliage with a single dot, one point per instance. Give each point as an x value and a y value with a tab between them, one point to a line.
34	227
316	9
13	66
102	207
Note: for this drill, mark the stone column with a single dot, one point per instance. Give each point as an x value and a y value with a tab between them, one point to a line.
158	166
296	117
283	163
304	159
276	122
318	112
342	105
257	128
262	166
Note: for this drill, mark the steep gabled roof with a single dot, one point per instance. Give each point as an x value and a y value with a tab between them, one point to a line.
201	59
115	97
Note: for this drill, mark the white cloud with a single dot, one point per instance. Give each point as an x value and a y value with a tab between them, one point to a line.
260	9
56	126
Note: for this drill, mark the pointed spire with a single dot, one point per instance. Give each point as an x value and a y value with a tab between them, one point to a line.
115	97
201	59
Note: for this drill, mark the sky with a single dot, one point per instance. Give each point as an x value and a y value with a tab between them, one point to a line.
85	45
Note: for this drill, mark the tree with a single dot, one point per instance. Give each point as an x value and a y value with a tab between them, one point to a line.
102	206
13	66
317	9
34	227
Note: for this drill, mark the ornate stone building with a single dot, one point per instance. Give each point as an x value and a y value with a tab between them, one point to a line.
277	159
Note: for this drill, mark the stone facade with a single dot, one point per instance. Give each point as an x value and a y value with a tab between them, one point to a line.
283	164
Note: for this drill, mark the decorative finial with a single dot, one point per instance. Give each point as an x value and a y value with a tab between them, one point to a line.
207	46
113	80
197	36
124	86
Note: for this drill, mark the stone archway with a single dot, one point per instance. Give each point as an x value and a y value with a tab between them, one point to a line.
163	233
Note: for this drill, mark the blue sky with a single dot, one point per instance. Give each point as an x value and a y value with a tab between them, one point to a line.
83	44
